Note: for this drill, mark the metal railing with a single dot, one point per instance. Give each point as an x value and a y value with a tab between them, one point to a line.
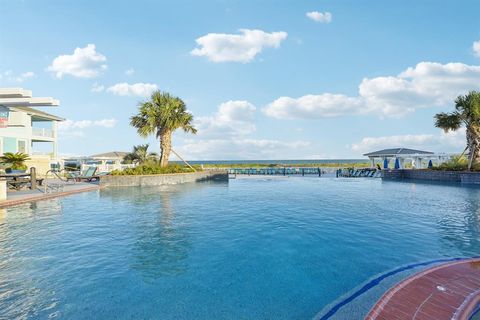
54	187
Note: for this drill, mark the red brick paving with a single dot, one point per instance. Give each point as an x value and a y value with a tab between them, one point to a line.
449	291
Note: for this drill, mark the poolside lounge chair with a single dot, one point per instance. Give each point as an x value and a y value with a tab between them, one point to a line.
88	175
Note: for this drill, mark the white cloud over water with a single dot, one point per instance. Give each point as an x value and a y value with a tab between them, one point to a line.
9	76
243	47
322	17
83	63
243	148
441	142
70	128
136	89
233	118
476	48
428	84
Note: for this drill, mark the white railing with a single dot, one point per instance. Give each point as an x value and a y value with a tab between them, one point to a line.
106	167
42	132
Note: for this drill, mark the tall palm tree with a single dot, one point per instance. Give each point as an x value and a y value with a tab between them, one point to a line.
162	115
467	113
140	154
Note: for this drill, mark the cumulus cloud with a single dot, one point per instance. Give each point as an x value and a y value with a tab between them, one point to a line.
441	142
10	77
428	84
136	89
476	48
83	63
75	129
227	134
232	118
243	148
313	106
82	124
97	87
322	17
243	47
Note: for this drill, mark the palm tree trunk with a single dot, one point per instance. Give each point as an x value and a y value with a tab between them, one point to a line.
473	144
165	147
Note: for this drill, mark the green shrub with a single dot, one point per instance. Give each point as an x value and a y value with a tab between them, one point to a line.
14	161
457	163
151	168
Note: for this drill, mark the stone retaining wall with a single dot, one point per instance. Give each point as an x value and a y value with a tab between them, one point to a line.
162	179
434	175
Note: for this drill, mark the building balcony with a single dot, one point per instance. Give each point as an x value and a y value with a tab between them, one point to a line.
42	132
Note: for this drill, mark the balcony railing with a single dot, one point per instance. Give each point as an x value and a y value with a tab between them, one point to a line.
42	132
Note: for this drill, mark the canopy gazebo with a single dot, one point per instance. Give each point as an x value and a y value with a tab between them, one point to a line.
399	155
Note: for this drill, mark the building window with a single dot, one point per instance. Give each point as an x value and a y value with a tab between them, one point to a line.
22	146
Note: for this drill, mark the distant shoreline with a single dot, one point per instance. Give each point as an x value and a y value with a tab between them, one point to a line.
280	163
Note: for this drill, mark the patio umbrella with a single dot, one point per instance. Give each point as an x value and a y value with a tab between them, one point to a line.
385	164
397	164
430	164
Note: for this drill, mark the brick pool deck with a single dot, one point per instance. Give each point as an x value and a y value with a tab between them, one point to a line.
19	197
447	291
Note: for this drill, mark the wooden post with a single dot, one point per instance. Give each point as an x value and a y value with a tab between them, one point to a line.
188	164
33	178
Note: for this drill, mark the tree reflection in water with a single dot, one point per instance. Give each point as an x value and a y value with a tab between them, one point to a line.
162	246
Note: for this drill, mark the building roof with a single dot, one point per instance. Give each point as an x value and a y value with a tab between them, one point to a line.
38	115
396	152
19	97
110	155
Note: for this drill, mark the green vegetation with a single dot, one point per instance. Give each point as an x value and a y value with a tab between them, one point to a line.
467	113
162	115
140	155
14	161
365	164
152	168
457	163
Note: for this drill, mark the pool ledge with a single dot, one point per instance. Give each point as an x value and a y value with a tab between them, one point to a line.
36	195
447	291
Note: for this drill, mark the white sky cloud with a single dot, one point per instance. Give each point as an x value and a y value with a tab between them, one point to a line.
97	87
232	118
129	71
75	129
243	47
135	89
242	148
10	77
476	48
82	124
83	63
322	17
428	84
227	134
441	142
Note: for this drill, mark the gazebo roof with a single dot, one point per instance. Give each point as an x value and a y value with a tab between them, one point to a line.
112	154
396	152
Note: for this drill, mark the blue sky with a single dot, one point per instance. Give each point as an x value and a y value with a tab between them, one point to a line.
350	77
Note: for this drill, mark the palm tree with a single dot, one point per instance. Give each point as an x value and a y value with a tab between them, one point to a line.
162	115
15	160
467	113
140	154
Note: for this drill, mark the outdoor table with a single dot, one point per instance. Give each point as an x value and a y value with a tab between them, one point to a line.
16	179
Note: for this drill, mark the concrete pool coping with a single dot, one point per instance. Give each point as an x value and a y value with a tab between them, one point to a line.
19	197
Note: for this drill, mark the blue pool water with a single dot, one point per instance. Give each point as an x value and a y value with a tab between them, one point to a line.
253	248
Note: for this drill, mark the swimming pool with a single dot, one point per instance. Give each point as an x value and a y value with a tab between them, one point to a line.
253	248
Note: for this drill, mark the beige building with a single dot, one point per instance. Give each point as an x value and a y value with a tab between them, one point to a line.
26	129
